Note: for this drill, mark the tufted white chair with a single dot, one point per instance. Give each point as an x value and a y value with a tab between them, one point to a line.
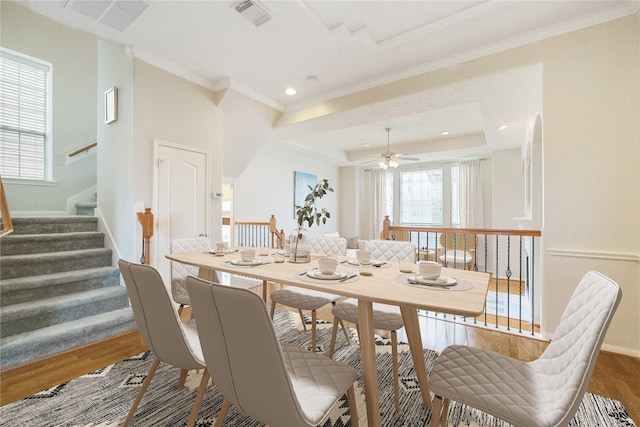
307	299
385	317
170	340
179	272
277	384
328	245
392	250
544	392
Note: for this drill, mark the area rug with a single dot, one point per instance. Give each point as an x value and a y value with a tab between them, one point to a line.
103	398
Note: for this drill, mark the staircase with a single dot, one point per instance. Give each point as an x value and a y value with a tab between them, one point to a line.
58	289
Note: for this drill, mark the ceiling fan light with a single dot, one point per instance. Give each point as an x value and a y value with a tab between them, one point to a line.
393	164
382	164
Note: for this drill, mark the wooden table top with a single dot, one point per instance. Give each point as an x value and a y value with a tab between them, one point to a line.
381	287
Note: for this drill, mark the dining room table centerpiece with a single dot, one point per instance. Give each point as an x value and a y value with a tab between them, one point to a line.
308	214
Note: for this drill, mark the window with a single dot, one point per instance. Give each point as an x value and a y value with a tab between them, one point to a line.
424	197
24	117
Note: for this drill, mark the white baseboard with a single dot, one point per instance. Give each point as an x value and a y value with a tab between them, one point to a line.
621	350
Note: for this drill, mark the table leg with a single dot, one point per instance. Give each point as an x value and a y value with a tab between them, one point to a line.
208	275
369	371
412	328
264	291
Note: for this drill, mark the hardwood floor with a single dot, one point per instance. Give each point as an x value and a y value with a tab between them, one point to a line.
615	376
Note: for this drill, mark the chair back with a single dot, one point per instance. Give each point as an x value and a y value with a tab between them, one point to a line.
567	363
458	241
179	271
328	245
156	318
242	352
392	250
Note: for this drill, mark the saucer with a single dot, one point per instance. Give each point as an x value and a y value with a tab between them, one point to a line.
317	274
440	281
245	263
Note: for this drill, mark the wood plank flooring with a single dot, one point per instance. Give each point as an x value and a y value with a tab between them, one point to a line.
615	376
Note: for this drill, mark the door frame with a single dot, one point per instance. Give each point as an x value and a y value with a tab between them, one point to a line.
157	144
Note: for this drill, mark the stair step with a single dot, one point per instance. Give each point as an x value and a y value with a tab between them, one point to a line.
54	224
32	288
88	208
51	242
33	345
19	318
55	262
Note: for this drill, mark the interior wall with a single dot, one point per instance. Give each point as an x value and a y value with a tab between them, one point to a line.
115	154
170	108
266	187
73	55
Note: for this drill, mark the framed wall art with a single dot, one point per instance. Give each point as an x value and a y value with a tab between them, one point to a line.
111	105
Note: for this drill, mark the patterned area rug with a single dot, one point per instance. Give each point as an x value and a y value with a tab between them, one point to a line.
103	398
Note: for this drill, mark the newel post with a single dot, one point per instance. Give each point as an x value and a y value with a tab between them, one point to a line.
146	219
386	223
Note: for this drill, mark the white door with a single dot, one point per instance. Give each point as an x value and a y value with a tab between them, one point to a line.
181	198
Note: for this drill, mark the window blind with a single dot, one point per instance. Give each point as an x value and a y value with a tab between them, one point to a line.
23	117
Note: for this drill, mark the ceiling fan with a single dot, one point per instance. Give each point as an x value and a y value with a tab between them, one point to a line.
390	159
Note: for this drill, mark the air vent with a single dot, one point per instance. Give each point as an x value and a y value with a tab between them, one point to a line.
253	11
117	14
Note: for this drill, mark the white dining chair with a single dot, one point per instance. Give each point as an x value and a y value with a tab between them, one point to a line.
277	384
179	271
307	299
541	393
385	317
170	340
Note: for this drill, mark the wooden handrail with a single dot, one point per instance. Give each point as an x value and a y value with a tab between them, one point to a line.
273	230
83	149
7	225
387	228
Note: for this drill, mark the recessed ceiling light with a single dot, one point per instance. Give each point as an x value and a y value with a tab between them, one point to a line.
366	144
503	127
445	132
290	91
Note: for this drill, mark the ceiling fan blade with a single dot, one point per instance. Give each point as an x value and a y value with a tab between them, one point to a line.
415	159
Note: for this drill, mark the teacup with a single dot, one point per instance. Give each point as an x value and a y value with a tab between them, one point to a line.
248	255
327	265
429	270
363	256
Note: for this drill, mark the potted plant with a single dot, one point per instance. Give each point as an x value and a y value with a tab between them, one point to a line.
310	214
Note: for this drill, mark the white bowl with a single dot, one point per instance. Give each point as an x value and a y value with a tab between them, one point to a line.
429	270
327	265
247	254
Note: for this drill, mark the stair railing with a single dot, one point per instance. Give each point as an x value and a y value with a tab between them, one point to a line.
259	234
7	225
146	219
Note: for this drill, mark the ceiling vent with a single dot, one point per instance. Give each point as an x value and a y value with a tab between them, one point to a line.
253	11
117	14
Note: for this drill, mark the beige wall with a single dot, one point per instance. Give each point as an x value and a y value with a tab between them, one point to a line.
73	99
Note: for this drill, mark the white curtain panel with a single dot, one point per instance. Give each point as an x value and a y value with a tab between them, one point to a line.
378	186
470	197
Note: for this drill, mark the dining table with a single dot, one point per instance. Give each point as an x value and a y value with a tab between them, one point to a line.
385	285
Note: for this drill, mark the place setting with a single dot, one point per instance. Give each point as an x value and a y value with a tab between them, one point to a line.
364	256
222	249
430	275
327	272
247	259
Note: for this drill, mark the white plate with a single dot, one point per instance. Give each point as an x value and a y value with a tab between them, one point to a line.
227	251
245	263
440	281
317	274
374	262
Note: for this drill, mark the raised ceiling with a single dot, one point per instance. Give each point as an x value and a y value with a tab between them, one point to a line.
326	49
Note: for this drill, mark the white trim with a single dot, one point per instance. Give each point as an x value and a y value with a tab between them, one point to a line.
109	241
620	350
613	256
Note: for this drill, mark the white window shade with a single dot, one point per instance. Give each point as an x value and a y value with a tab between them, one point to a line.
24	115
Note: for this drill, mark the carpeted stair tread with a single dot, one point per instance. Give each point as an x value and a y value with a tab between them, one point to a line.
31	288
18	318
21	244
29	346
54	224
13	266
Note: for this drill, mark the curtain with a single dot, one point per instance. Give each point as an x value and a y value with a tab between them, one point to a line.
470	199
378	191
470	194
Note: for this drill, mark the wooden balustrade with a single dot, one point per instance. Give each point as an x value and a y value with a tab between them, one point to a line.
508	254
146	220
259	234
7	225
